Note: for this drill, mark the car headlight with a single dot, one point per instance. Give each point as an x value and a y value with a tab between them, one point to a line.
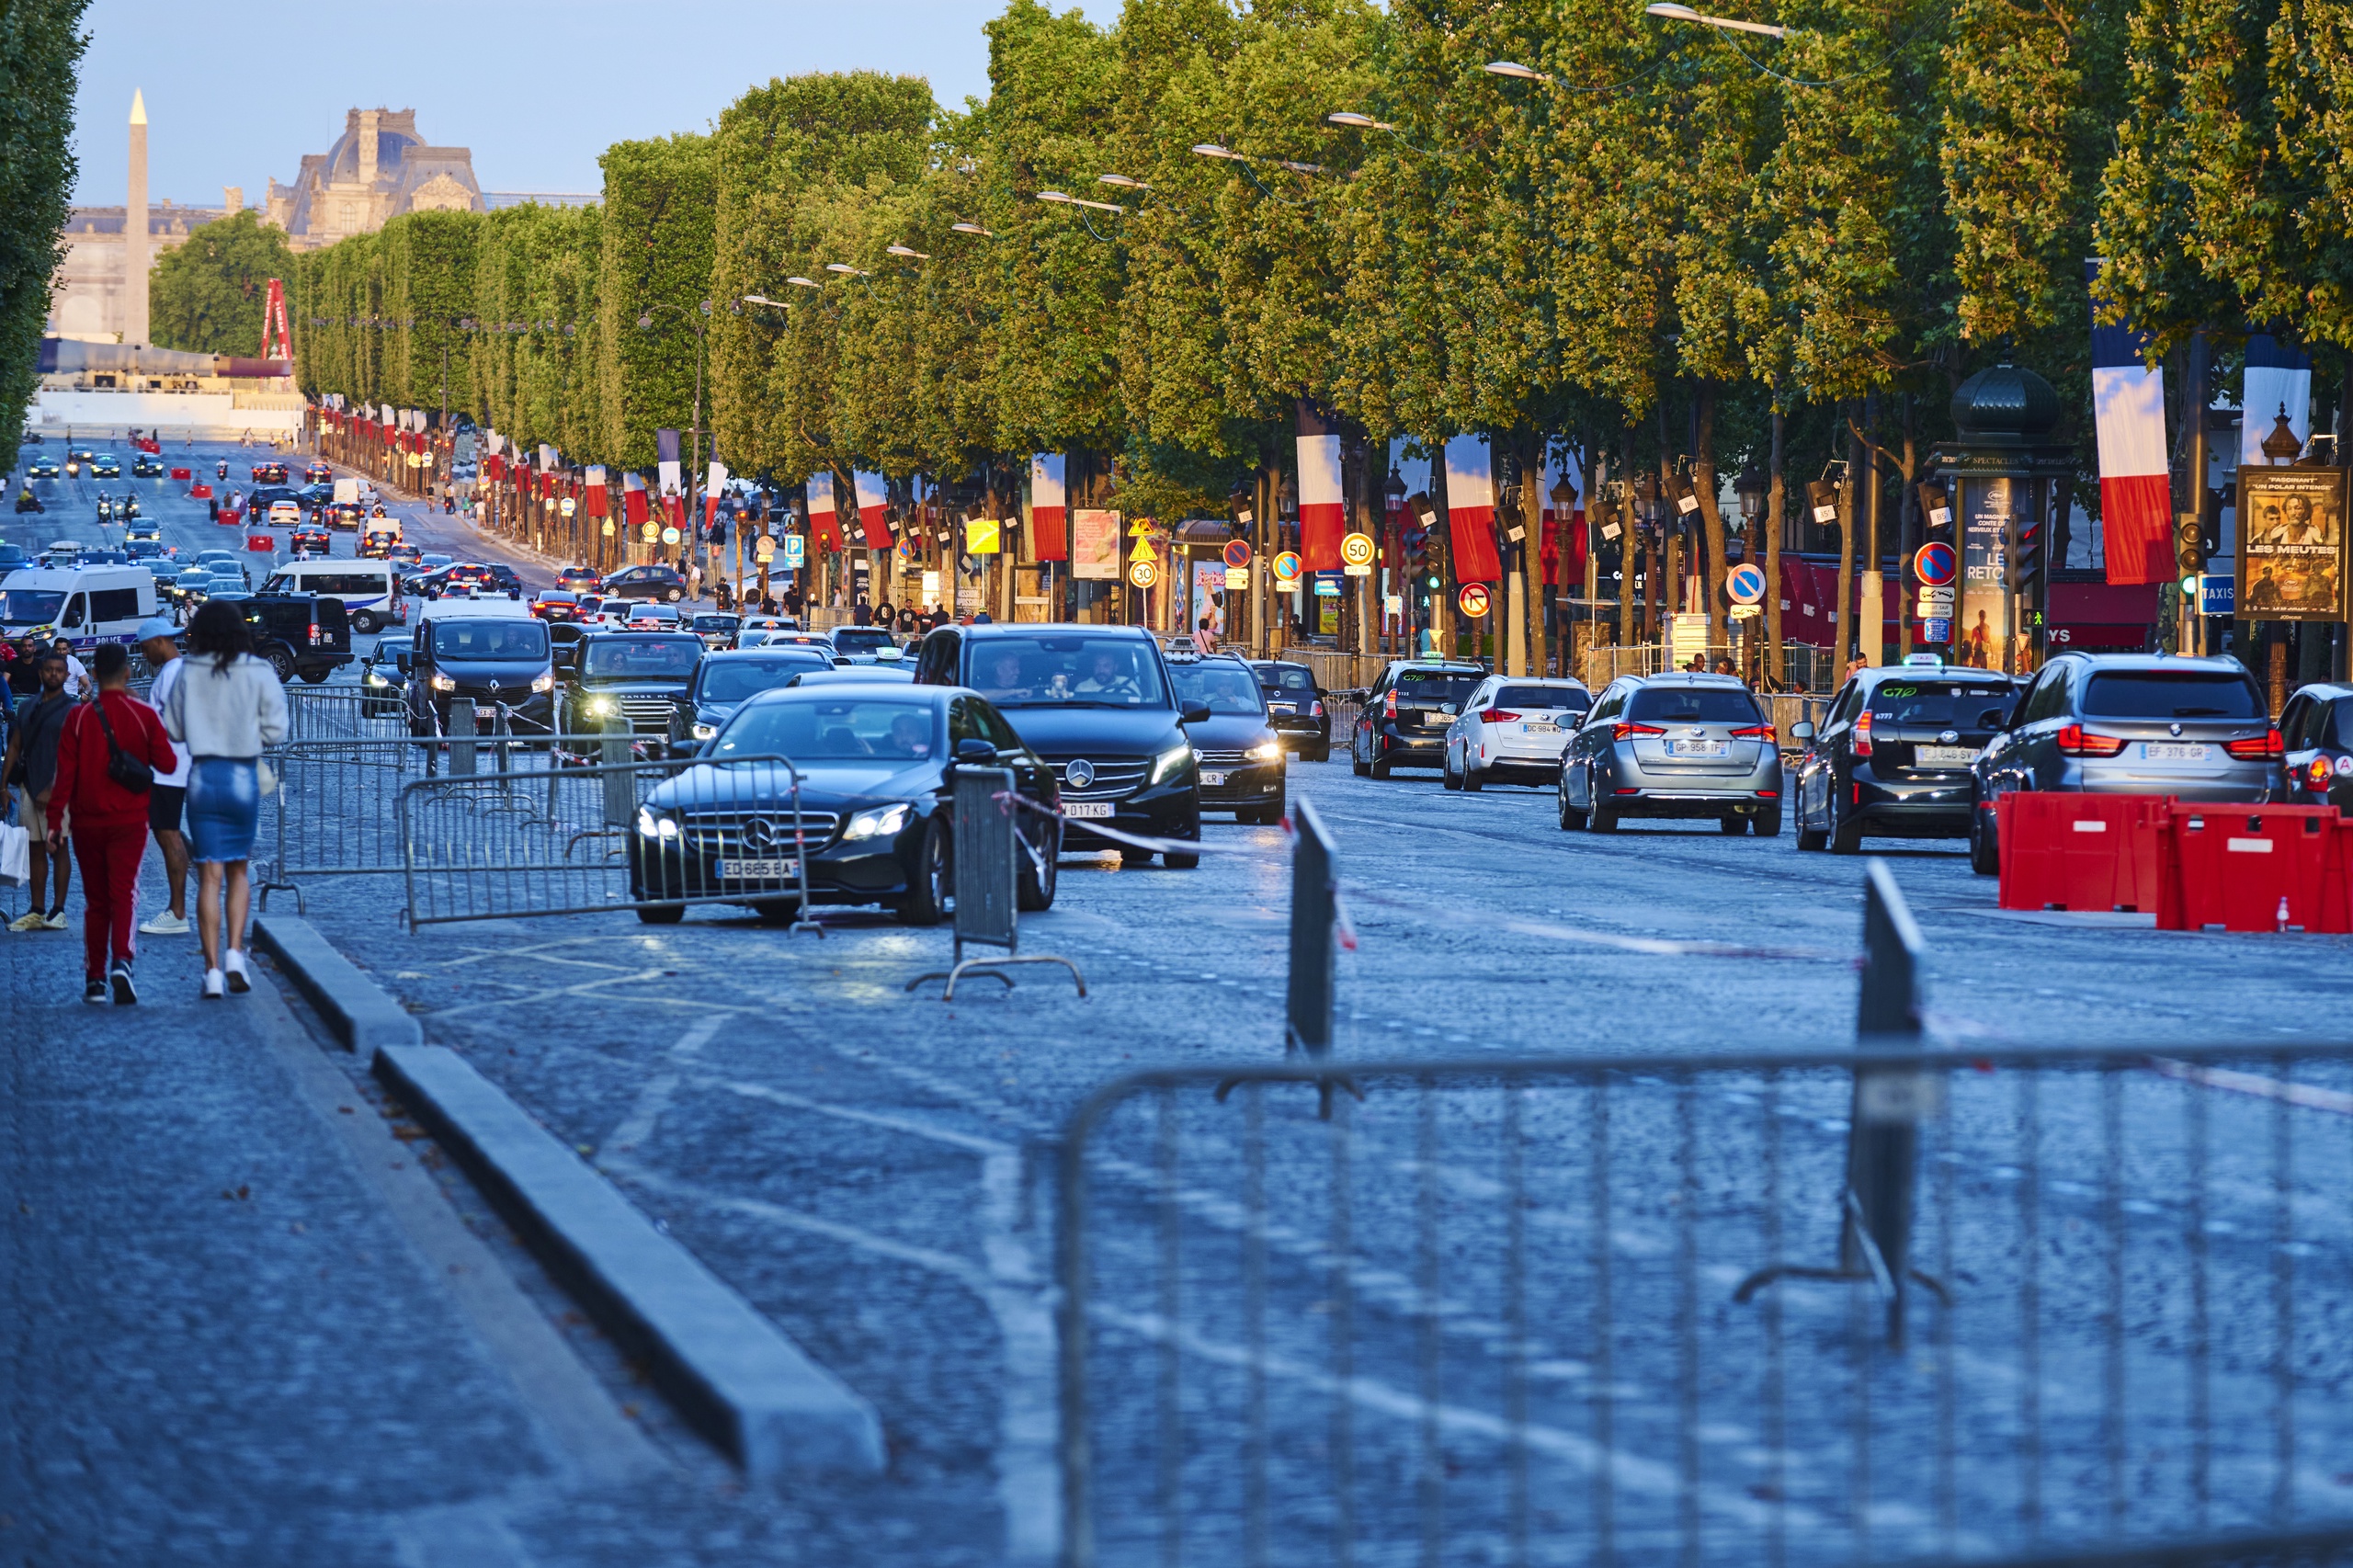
543	681
1170	763
652	826
600	705
375	677
1268	751
443	683
703	731
878	822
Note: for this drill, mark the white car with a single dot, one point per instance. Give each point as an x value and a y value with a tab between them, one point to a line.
1513	729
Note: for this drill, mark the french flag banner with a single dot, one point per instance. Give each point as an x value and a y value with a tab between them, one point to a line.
824	523
2135	492
714	484
1048	506
874	493
632	500
2279	380
1470	510
596	501
1322	515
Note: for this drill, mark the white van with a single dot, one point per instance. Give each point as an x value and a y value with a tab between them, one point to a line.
370	592
85	605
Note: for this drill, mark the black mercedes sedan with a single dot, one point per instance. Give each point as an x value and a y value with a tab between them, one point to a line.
876	773
1241	758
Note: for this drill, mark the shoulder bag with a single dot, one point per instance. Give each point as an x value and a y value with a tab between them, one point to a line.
126	770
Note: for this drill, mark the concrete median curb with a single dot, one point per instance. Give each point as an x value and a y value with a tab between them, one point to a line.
353	1005
730	1370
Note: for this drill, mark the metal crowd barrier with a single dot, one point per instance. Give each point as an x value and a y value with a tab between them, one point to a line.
989	848
487	846
318	712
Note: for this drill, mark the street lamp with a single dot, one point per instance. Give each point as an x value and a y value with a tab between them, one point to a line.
1752	488
1123	181
1064	198
904	252
755	299
804	282
1358	121
973	229
845	270
1515	70
1673	13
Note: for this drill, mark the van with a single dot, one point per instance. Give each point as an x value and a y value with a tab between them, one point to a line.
370	592
85	605
491	653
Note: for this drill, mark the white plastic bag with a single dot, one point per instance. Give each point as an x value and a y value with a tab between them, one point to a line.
16	856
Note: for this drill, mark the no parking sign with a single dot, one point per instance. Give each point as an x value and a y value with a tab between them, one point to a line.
1746	586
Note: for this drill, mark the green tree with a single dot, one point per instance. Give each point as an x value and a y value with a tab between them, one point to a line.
208	295
657	239
41	57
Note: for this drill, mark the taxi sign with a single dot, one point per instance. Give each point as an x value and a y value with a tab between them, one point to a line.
1356	549
1935	564
1144	573
1746	586
1472	598
1287	568
1237	552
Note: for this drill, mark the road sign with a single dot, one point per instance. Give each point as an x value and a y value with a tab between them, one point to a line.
1237	552
1935	564
1144	551
1746	586
567	506
1287	570
1139	528
1236	579
1936	630
1356	549
763	547
669	536
608	527
648	532
1392	604
796	552
2218	594
1144	573
1936	601
1327	584
1473	599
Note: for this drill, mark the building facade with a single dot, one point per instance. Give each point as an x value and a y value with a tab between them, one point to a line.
379	168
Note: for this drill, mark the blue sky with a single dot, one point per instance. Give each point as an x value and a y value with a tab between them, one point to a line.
538	88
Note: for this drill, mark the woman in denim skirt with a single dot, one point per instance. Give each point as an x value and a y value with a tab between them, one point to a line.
223	711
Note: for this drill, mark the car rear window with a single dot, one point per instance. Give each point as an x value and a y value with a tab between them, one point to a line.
1694	705
2171	694
1979	705
1545	697
1285	678
1421	686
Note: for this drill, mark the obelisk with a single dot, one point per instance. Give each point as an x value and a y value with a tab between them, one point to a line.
135	229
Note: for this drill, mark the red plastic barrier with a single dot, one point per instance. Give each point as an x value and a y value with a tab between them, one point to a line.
180	474
199	493
2238	863
2088	852
261	542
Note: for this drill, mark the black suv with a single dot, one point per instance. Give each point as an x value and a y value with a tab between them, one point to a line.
491	661
628	681
1894	755
1297	708
1406	715
300	634
663	583
1096	702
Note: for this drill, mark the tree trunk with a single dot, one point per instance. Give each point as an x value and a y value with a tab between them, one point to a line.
1845	650
1774	508
1703	475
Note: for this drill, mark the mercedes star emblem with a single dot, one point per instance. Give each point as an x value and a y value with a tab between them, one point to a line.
1949	737
759	836
1079	774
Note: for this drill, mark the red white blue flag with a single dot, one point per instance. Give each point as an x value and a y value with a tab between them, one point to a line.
1049	503
2135	492
824	522
1470	510
2279	381
1322	515
873	507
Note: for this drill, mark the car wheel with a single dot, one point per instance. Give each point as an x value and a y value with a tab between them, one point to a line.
927	900
660	915
1809	838
1471	780
1985	844
1379	766
315	677
1767	824
1033	889
1181	862
1446	776
281	665
1604	820
364	623
1846	837
1357	763
1571	818
777	911
1135	856
675	595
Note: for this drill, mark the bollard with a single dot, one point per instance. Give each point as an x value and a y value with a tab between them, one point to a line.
1883	1123
1314	953
987	865
621	785
461	737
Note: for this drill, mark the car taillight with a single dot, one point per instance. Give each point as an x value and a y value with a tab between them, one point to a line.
1628	731
1863	733
1316	710
315	634
1497	716
1755	733
2269	744
2318	772
2074	742
1389	704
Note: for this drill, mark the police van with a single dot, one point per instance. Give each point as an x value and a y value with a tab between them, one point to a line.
85	605
368	589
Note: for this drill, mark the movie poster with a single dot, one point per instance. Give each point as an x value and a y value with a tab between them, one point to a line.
1095	546
2291	543
1981	630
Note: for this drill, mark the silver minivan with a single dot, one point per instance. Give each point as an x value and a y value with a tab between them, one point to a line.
1673	746
2130	724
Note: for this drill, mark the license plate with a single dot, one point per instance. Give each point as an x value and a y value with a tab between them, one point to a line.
758	870
1089	810
1944	756
1213	780
1538	727
2173	751
1698	748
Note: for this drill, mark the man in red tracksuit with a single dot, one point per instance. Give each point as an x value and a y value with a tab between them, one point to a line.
110	822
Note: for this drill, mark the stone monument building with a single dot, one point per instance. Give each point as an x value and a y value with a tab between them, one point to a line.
379	168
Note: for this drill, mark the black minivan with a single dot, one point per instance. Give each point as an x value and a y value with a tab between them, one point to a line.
1096	702
495	662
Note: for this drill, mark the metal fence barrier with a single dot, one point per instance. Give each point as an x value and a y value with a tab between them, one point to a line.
987	867
319	712
658	837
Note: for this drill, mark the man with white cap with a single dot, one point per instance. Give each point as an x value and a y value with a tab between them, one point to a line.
159	641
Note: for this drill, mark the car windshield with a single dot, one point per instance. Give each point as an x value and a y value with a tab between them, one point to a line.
1545	698
2171	694
29	606
708	622
1285	678
1980	704
390	647
641	658
833	729
1427	689
1693	705
559	597
1074	669
1226	687
737	680
861	639
490	640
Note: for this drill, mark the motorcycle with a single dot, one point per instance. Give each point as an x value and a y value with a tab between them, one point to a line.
222	470
129	507
106	510
29	502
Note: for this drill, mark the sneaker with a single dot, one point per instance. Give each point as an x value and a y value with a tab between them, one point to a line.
29	921
125	994
240	978
213	987
94	991
56	920
166	925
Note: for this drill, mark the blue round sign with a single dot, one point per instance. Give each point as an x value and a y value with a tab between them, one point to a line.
1935	564
1745	585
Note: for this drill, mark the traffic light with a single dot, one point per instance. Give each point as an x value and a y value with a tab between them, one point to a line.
2189	539
2026	554
1822	502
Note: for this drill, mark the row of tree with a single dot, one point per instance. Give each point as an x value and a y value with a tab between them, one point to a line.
1648	239
40	58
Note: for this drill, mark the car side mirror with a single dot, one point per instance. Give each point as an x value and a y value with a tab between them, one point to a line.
1802	730
977	752
401	661
1193	712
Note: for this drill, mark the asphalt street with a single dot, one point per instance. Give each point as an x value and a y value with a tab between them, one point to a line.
874	1170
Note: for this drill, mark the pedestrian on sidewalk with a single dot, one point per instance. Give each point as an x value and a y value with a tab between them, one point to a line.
223	710
30	770
159	641
864	614
77	678
1204	639
109	815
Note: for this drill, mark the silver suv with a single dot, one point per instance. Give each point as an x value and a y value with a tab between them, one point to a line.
1673	746
2130	724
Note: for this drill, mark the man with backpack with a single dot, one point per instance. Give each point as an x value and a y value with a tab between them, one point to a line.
112	748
